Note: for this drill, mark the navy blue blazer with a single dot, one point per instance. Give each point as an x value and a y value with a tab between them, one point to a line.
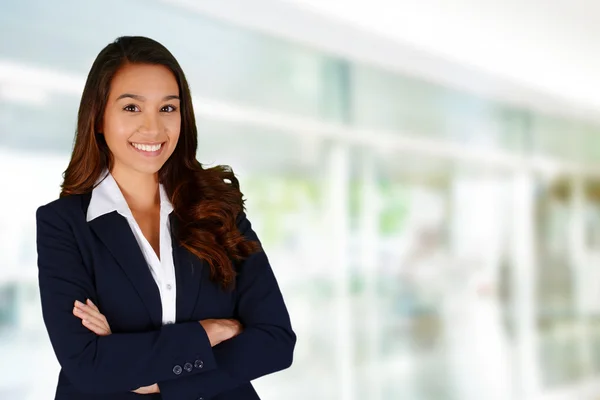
102	261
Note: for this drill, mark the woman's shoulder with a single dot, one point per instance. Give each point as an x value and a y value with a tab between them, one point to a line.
69	207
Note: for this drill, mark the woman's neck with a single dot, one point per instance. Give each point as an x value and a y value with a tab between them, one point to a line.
140	190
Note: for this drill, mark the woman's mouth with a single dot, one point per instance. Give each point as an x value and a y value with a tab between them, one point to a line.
148	149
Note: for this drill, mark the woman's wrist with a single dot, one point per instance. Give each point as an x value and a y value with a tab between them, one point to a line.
214	331
219	330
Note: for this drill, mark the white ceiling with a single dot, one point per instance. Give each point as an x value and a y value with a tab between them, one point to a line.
539	54
550	46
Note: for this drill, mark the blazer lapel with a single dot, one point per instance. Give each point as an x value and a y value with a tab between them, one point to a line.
188	274
114	231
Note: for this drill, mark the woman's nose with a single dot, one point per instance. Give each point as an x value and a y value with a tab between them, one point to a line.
151	123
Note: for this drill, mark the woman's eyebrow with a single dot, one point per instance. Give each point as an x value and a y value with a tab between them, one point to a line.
142	98
133	96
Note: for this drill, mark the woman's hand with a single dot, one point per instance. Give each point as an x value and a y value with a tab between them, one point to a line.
91	318
219	330
148	389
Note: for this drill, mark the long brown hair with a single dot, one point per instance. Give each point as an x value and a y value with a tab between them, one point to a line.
207	201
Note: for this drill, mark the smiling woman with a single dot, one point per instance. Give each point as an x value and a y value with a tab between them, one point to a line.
139	227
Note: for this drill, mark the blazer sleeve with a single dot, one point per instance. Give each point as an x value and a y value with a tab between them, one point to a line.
116	363
266	344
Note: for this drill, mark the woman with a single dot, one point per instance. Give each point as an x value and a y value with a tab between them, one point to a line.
151	277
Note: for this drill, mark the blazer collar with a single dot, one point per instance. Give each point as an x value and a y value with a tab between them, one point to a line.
115	233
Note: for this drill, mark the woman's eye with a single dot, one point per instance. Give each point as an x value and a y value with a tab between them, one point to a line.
169	108
131	108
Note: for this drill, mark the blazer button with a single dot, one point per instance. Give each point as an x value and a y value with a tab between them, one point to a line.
188	367
198	364
177	369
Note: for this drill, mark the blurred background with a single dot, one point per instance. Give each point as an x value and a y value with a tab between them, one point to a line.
425	177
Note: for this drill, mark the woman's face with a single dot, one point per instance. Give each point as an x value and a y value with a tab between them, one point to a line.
142	119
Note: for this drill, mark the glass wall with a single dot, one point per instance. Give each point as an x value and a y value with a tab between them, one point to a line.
413	107
423	249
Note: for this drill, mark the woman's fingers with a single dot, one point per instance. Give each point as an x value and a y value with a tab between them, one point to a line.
92	318
91	310
88	309
98	330
93	324
91	304
87	315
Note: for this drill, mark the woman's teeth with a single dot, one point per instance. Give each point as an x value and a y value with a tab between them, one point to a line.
147	147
